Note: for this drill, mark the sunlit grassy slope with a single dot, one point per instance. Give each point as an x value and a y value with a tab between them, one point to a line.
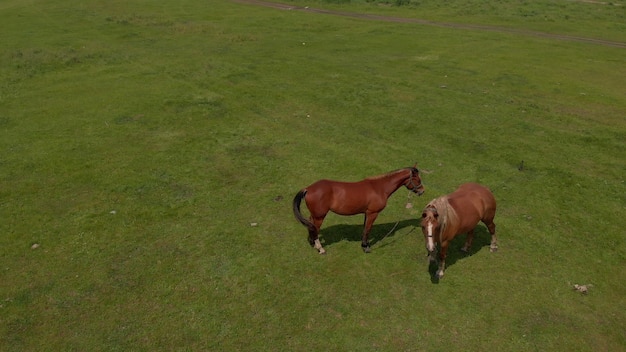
149	153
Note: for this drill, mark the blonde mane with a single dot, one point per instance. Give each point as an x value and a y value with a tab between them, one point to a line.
447	214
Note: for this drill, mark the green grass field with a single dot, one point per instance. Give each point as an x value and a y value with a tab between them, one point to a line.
150	151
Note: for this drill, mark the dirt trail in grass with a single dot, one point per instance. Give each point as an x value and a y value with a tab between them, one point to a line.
433	23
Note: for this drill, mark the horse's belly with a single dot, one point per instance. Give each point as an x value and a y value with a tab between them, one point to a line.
348	209
349	201
468	224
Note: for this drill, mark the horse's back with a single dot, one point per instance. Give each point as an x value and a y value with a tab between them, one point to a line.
333	188
473	201
343	198
479	191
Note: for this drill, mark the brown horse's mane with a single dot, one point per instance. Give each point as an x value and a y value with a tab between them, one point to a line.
447	214
378	177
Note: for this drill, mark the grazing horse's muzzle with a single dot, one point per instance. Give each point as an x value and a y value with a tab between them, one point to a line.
430	241
431	257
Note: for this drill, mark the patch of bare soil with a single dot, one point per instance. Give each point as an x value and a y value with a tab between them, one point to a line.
280	6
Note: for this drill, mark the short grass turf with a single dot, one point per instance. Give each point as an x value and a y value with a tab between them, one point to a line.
149	153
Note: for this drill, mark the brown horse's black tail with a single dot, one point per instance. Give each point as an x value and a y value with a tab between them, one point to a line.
296	211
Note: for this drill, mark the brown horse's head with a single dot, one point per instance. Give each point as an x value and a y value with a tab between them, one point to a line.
414	182
430	226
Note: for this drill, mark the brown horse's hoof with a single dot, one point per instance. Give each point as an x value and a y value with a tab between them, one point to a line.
366	249
493	249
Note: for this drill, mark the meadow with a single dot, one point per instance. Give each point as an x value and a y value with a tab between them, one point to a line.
150	152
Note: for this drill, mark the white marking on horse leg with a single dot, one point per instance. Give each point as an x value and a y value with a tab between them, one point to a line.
494	239
442	265
430	245
318	246
494	243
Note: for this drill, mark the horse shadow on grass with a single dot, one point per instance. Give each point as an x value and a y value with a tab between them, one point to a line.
378	232
353	232
482	239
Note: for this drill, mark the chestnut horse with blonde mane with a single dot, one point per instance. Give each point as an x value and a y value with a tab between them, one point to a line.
459	212
368	197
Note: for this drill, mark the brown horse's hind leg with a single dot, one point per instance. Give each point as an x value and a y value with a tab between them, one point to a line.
493	247
314	239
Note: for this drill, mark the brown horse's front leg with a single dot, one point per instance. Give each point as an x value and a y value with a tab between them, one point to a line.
442	259
367	226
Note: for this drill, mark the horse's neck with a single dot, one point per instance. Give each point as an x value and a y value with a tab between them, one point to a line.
393	181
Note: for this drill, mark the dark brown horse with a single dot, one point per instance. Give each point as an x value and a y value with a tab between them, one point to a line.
456	213
367	197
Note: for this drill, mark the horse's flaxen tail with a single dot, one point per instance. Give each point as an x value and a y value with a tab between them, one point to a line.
296	211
